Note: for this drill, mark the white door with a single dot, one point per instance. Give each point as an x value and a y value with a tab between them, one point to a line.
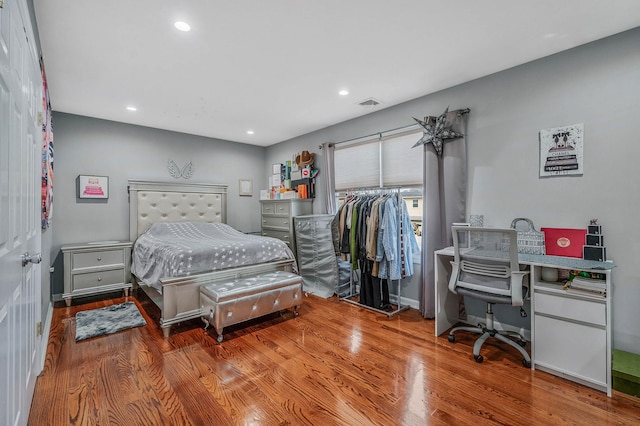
20	152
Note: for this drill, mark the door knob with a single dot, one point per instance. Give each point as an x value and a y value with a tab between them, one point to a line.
30	258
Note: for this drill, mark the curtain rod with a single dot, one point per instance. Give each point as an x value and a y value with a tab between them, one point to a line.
379	134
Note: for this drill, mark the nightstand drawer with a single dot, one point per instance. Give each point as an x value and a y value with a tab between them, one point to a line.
97	279
91	259
276	222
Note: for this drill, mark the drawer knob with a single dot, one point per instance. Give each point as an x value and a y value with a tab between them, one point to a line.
99	259
99	278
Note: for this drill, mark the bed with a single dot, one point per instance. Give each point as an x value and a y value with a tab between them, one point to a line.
180	211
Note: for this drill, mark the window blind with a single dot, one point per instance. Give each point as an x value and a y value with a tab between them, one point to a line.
401	164
358	163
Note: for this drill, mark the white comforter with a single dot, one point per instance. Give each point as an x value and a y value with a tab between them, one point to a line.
185	248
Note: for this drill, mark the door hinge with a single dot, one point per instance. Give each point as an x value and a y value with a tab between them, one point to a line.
1	4
39	324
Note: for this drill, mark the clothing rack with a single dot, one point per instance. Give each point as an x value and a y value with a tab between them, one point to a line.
395	191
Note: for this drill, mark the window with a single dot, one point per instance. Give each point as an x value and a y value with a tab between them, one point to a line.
384	160
379	161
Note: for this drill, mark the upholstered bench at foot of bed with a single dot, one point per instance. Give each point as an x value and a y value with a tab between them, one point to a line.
230	302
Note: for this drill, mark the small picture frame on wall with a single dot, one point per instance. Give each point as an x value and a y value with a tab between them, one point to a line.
91	186
561	151
246	188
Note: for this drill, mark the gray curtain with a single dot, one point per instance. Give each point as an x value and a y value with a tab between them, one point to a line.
329	181
445	186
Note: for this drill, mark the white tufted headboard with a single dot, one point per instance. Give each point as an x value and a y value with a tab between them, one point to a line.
151	202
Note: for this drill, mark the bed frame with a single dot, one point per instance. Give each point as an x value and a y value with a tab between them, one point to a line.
151	202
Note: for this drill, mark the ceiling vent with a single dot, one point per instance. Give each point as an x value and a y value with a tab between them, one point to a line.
369	103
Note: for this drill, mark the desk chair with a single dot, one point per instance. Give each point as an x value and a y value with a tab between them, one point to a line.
486	267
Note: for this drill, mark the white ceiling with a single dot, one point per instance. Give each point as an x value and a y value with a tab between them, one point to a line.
276	66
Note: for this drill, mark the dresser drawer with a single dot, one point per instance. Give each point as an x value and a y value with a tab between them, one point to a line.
281	235
91	259
276	208
276	222
97	279
570	308
577	349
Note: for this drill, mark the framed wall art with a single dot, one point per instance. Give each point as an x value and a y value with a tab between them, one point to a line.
90	186
561	151
246	187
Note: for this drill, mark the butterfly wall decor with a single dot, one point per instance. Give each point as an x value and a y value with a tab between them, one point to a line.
186	172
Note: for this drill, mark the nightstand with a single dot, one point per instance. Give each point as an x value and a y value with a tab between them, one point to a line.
96	267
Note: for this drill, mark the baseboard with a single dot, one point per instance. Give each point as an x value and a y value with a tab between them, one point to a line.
44	342
405	301
393	298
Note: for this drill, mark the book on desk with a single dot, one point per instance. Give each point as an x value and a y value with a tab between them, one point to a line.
587	286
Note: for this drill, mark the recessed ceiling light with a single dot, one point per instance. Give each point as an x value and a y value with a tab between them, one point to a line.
343	92
132	108
249	132
182	26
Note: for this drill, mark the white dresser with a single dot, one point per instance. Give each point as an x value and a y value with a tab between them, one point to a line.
277	218
96	267
571	333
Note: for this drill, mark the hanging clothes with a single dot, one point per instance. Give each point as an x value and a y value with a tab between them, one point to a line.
377	236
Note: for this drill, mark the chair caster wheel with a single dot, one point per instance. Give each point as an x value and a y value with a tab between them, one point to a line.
522	343
452	338
478	358
526	363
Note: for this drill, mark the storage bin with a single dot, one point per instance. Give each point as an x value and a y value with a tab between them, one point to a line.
626	372
316	255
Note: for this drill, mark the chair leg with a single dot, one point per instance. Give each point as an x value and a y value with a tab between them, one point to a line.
478	344
513	334
452	338
527	359
489	331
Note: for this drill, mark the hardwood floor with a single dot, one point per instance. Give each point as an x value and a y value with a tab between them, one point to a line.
335	364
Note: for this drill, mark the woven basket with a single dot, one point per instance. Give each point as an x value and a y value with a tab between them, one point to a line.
529	241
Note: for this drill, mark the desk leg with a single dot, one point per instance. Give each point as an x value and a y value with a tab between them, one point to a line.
446	302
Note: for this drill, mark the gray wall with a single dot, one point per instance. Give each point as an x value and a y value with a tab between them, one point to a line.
121	151
596	84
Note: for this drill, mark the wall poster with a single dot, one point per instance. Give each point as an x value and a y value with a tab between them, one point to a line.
47	153
561	151
93	186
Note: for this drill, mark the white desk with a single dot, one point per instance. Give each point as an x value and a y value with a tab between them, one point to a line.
570	333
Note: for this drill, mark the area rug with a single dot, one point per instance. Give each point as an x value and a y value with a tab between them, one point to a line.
98	322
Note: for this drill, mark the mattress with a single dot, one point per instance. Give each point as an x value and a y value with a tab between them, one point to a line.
186	248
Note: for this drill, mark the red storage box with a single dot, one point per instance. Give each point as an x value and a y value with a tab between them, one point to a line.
564	242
